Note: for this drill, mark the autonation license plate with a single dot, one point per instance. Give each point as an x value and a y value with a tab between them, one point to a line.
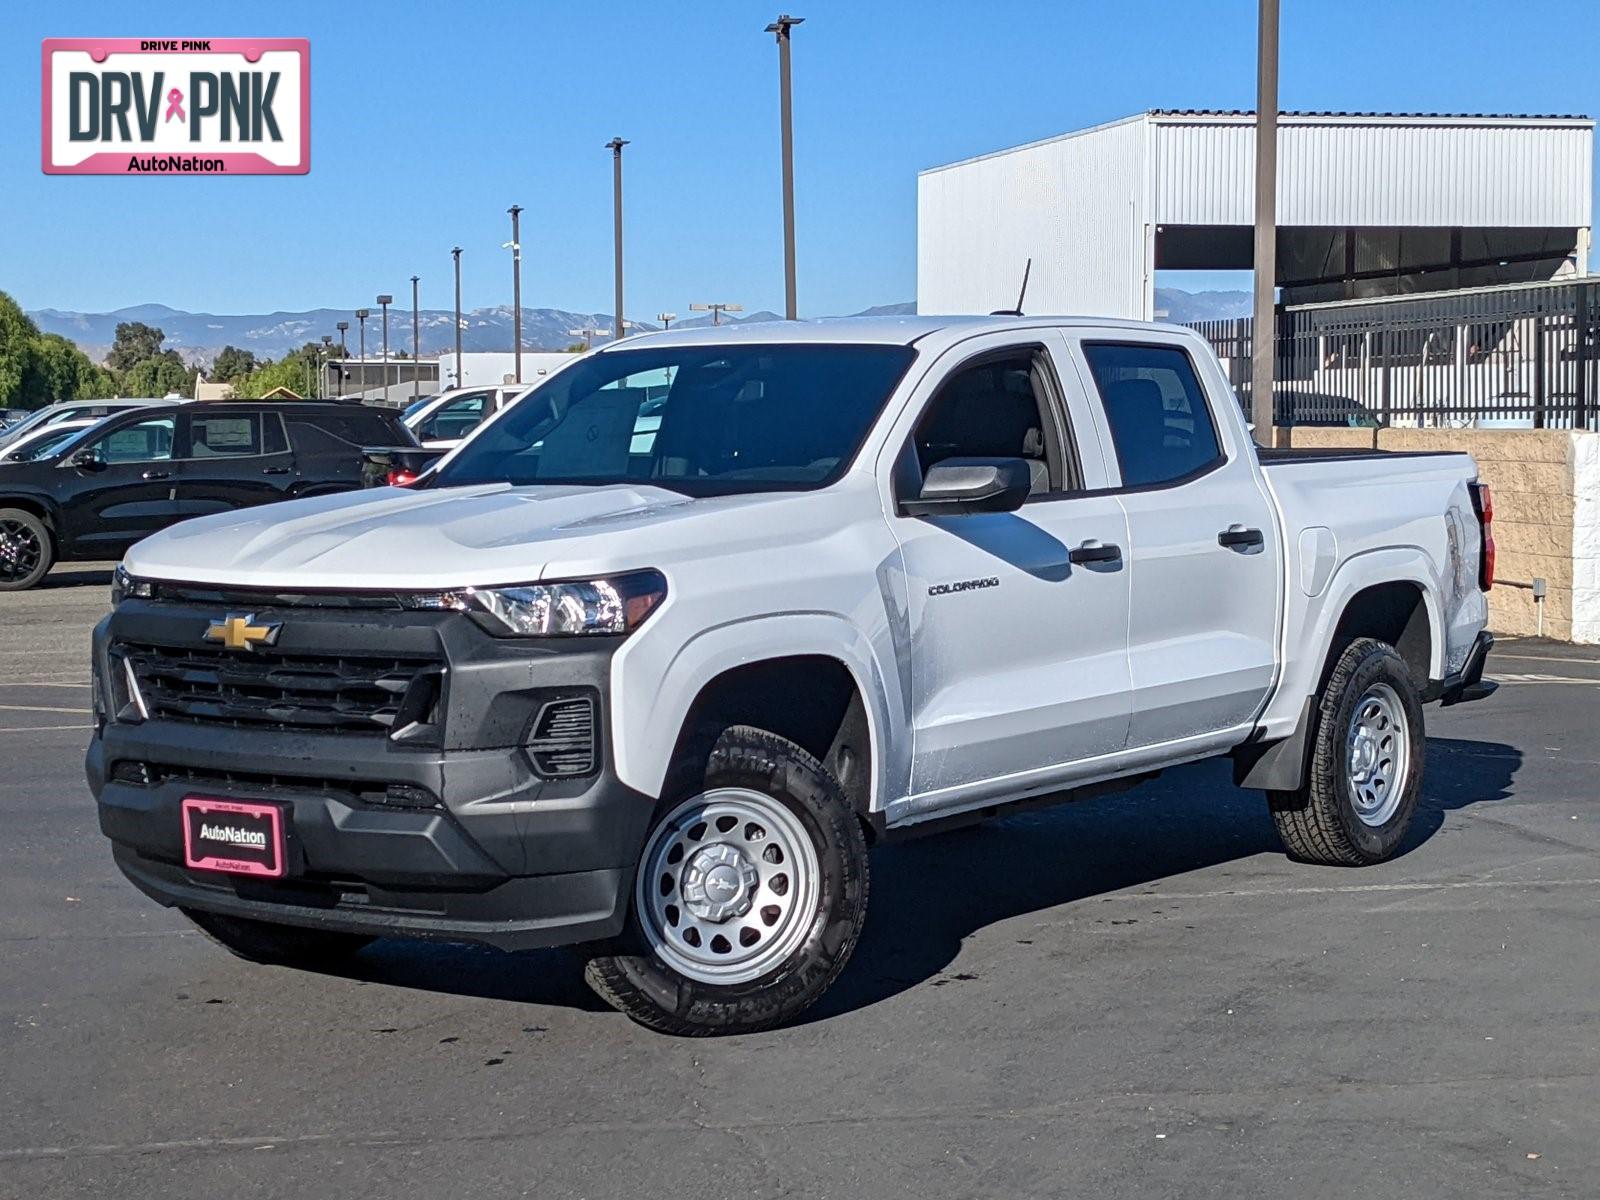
235	836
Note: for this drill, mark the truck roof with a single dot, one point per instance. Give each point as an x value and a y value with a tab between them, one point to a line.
882	331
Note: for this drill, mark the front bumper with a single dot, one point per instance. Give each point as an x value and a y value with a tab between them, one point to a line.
455	834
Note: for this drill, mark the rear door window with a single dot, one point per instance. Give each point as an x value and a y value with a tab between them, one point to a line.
224	435
1160	425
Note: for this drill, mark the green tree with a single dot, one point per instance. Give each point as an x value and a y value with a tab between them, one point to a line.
233	363
61	371
288	372
158	376
136	342
18	346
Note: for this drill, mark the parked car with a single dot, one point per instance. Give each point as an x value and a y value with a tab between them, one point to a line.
36	443
442	421
71	410
655	690
142	470
10	416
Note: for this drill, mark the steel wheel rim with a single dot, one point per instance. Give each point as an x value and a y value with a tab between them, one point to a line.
20	551
727	888
1378	755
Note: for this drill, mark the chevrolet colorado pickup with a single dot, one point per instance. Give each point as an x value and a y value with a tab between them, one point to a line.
653	687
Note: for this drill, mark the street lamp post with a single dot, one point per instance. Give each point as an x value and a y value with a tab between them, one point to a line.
666	319
716	310
416	337
588	336
781	28
515	246
615	145
383	303
361	315
327	353
344	354
1264	332
455	253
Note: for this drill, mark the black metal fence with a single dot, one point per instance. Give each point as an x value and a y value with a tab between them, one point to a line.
1513	357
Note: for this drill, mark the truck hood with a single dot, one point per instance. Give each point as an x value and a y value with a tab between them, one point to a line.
437	538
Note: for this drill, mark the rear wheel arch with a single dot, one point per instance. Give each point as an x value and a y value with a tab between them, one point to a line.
1397	613
37	507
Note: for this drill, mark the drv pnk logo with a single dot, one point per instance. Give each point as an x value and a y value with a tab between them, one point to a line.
164	106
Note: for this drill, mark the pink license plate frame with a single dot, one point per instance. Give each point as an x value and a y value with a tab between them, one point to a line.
237	823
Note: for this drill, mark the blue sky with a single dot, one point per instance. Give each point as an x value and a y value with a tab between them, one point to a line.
430	119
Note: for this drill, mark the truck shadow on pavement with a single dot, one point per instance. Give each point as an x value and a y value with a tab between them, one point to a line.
929	894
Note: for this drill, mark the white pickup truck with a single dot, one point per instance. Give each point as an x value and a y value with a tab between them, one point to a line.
654	683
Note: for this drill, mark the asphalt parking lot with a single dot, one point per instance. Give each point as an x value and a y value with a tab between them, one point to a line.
1136	996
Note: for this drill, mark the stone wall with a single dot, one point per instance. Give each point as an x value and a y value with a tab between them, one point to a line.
1546	486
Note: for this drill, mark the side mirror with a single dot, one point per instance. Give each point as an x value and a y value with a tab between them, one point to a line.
89	459
971	485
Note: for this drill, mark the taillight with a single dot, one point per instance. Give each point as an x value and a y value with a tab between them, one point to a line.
400	477
1483	505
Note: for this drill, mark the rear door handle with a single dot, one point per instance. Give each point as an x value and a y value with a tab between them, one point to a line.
1237	537
1094	552
156	475
274	470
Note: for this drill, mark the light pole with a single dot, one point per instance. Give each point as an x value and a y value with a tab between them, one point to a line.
515	246
1264	332
383	303
587	335
455	253
781	28
327	353
344	354
666	319
416	337
361	315
716	310
615	145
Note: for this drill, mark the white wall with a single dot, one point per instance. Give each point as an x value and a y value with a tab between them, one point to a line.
1076	205
485	368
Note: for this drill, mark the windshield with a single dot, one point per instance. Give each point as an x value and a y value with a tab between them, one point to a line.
45	445
702	420
416	406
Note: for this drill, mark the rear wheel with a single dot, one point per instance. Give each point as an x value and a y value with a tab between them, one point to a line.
27	551
1361	788
749	896
286	945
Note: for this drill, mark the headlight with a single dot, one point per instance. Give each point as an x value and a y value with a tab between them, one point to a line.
125	586
616	605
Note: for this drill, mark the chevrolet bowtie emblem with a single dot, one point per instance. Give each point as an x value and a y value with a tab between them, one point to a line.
240	632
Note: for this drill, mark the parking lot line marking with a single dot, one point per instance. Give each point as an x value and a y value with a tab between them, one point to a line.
40	683
39	728
43	708
1585	662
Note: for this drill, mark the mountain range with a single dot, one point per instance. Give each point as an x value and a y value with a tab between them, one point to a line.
198	337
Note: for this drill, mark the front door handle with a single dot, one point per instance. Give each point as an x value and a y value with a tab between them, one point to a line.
274	470
156	475
1237	537
1095	552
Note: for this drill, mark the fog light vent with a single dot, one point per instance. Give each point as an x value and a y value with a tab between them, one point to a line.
562	744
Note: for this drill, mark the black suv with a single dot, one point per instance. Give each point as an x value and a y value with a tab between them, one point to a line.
141	470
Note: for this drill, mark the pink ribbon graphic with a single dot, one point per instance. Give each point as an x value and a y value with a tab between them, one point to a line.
175	106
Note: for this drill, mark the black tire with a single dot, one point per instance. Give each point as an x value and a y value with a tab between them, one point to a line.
27	551
283	945
634	978
1320	822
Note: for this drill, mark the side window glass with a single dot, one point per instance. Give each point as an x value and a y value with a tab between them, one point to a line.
224	436
990	410
146	441
453	419
273	439
1157	411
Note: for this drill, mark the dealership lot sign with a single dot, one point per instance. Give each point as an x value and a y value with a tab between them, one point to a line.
209	106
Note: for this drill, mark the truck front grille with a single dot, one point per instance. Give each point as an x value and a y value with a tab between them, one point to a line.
283	691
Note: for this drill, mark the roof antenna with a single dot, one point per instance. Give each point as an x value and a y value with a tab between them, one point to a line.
1017	311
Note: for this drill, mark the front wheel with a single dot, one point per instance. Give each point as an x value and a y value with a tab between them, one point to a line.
26	550
1365	775
749	897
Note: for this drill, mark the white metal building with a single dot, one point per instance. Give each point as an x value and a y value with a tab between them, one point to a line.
1368	204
